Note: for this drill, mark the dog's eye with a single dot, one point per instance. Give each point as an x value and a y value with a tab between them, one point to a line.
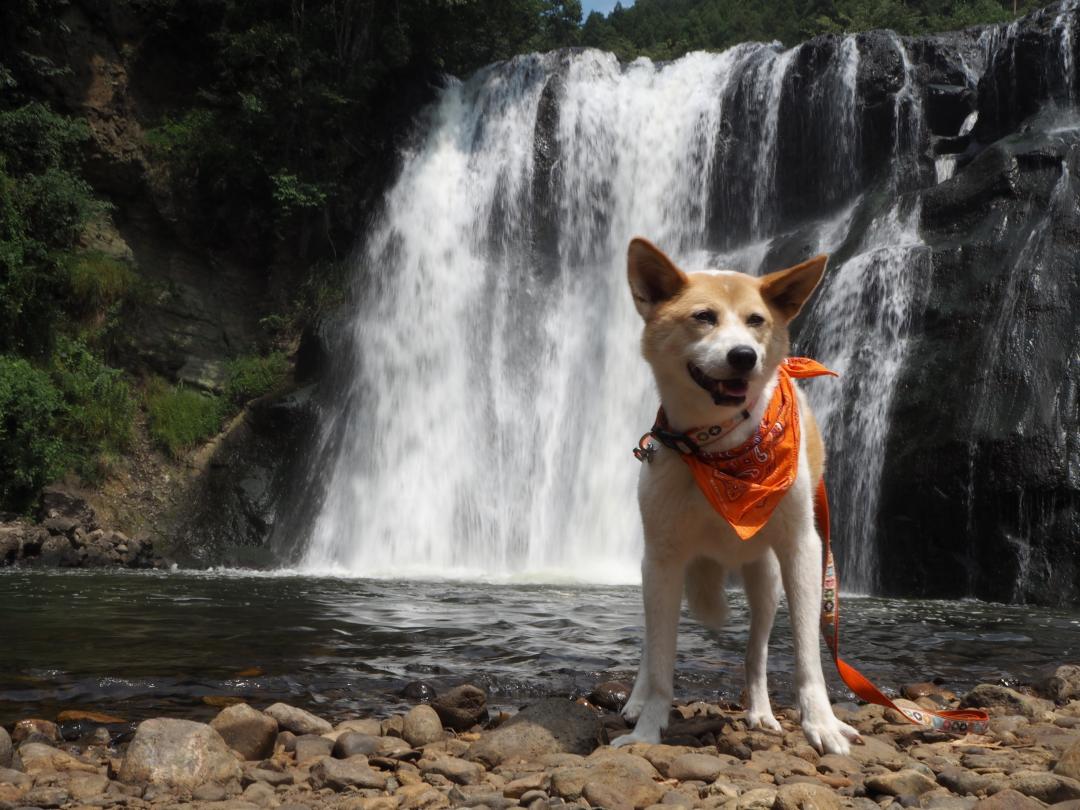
754	320
705	316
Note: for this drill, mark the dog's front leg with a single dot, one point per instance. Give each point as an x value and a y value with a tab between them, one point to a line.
650	702
800	566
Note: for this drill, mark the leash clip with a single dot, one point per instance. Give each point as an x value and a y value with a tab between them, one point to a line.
646	449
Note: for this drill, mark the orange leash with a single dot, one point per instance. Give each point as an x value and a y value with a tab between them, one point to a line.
960	721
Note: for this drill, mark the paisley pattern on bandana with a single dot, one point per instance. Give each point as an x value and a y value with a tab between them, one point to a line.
746	484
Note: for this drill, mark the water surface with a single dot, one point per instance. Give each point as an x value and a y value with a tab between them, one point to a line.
141	644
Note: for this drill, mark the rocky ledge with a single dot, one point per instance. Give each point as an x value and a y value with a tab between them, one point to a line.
67	535
553	753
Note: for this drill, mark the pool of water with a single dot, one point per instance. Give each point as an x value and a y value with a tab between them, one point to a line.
156	643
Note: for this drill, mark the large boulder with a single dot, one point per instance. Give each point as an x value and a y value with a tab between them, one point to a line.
552	726
421	726
249	732
178	754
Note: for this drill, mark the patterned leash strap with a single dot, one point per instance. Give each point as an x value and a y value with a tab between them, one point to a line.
962	721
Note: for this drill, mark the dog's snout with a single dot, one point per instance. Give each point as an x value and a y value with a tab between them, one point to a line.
742	358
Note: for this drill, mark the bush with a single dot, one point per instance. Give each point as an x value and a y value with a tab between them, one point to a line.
31	451
252	376
97	281
99	409
181	418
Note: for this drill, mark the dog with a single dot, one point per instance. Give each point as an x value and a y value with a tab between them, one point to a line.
717	342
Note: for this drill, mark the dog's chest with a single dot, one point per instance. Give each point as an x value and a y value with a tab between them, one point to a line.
678	519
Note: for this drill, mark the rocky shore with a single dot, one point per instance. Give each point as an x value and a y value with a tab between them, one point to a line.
67	535
450	751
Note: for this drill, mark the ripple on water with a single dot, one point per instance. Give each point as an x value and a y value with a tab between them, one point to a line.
134	643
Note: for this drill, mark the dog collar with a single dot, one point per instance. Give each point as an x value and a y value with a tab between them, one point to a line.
693	441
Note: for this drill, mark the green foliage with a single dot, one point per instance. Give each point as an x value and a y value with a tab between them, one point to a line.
98	411
181	418
666	29
97	281
43	205
31	451
252	376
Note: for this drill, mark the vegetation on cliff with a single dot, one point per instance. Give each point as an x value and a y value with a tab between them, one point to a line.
265	129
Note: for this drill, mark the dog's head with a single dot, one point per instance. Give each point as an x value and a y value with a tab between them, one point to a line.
716	336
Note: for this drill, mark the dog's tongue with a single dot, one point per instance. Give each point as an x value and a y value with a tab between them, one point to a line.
735	388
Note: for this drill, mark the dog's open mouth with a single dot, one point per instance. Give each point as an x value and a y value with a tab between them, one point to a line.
723	392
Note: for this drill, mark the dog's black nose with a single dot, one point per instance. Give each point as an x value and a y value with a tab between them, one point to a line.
742	358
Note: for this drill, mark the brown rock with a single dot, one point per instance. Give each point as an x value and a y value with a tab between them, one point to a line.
462	707
901	783
24	728
601	793
46	797
38	758
7	750
805	796
518	788
83	786
90	717
610	767
369	726
309	747
455	769
1007	800
696	767
297	720
420	797
352	743
178	754
1007	701
1046	787
610	695
781	765
1069	763
338	774
551	726
421	726
1062	684
247	731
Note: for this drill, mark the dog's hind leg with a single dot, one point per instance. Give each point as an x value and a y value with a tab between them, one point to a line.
761	579
705	592
650	702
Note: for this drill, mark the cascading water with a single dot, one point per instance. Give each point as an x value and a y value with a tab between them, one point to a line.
494	385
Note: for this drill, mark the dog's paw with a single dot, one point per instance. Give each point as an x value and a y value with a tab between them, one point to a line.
763	720
631	711
830	736
635	737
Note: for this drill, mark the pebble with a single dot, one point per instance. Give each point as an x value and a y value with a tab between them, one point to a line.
550	755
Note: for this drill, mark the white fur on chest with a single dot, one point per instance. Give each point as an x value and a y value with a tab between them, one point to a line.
679	522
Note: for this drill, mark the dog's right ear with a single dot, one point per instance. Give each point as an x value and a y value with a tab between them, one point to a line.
654	278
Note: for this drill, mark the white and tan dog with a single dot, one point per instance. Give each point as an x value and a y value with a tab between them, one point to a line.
715	341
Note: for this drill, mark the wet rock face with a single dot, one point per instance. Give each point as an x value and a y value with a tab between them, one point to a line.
980	494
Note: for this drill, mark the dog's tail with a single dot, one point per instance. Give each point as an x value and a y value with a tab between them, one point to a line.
705	592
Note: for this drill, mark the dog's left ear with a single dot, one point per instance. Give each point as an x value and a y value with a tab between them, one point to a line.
787	290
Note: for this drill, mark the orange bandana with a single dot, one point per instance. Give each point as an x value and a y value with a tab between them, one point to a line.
745	484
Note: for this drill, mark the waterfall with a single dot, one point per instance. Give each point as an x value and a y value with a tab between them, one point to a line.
494	385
